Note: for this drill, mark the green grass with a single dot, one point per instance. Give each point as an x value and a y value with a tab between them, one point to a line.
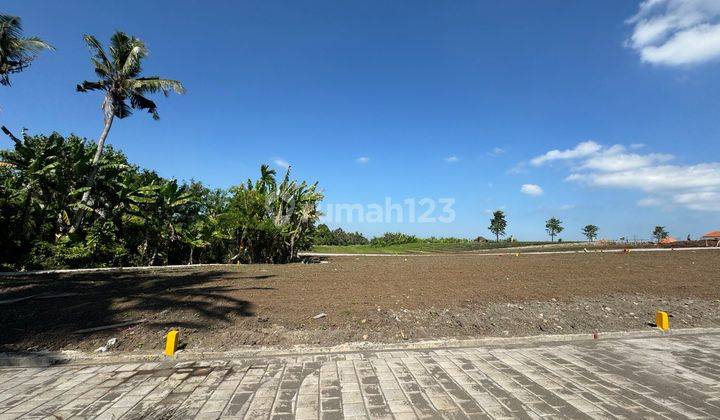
420	247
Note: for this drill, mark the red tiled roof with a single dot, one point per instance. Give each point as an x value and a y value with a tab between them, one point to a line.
715	234
668	240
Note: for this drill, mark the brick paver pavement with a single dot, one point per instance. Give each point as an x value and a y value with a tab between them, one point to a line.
652	377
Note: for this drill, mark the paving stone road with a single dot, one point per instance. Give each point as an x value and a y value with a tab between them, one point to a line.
651	377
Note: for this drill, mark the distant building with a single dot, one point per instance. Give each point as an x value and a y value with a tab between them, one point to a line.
715	234
712	236
668	240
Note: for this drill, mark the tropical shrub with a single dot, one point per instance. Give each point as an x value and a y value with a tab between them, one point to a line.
135	216
394	238
270	221
325	236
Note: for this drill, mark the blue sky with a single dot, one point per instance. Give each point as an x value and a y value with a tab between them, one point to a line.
442	100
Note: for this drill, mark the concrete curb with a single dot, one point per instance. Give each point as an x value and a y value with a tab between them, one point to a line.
43	359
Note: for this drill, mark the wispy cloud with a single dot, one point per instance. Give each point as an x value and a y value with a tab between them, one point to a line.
282	163
531	189
452	159
519	168
613	161
362	160
676	32
695	187
583	149
496	151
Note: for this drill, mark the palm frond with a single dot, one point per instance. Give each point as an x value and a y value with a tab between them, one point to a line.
16	52
131	66
97	49
119	108
155	84
141	102
85	85
120	46
34	45
100	69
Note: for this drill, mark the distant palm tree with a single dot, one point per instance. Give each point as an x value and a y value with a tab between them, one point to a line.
119	78
16	52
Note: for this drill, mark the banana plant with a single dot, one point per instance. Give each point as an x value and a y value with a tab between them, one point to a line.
158	208
35	163
273	220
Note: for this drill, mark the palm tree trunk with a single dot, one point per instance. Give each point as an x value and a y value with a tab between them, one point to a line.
109	116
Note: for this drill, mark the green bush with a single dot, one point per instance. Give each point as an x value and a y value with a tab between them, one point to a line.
394	238
325	236
135	216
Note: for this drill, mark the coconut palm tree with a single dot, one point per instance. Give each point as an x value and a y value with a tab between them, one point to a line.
124	88
16	52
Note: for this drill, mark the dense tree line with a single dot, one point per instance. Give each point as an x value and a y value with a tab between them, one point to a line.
135	216
398	238
325	236
68	202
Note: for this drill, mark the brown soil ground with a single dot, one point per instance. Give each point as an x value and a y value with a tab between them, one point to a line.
380	299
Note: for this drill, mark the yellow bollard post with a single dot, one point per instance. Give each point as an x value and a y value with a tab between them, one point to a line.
662	321
171	342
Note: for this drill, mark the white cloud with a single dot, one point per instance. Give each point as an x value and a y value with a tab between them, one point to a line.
612	162
676	32
531	189
519	168
281	163
583	149
702	201
636	146
496	151
702	176
362	160
695	187
451	159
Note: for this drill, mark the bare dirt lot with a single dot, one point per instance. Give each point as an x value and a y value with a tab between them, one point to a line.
381	299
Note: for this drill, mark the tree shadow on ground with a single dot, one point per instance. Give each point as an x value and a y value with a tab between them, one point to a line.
47	311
